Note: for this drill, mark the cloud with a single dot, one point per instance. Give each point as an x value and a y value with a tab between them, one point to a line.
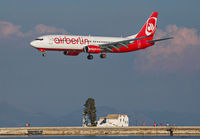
41	29
179	54
8	29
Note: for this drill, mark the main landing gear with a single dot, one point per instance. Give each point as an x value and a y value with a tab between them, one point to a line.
90	57
102	55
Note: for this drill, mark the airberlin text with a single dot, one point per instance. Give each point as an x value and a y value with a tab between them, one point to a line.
66	40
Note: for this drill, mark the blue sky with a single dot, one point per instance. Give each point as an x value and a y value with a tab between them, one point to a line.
57	84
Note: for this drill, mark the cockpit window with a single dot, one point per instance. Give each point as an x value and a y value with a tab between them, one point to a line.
40	39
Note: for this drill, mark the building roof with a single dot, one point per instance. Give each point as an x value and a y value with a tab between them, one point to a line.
113	116
102	117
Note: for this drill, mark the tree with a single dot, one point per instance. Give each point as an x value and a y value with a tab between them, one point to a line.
90	111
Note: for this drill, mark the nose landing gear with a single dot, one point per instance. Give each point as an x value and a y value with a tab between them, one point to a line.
44	54
43	51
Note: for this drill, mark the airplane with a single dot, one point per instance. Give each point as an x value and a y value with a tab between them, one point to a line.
72	45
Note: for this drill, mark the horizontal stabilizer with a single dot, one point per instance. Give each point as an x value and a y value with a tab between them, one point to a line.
152	41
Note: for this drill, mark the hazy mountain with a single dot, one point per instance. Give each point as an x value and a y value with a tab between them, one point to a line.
174	118
72	119
15	116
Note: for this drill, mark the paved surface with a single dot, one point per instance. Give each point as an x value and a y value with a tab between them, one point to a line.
133	130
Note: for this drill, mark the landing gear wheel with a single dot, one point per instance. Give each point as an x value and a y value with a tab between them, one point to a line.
44	54
90	57
65	52
102	55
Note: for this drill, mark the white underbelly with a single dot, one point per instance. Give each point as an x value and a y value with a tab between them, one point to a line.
66	46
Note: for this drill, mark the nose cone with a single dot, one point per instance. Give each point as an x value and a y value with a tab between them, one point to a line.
33	43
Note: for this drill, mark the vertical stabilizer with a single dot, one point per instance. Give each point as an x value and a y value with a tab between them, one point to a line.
149	27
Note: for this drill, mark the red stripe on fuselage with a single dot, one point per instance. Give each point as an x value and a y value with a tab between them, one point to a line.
55	49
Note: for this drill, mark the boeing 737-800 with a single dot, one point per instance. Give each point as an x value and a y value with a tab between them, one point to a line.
74	45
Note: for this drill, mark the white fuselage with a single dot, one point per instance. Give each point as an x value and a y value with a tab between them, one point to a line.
71	42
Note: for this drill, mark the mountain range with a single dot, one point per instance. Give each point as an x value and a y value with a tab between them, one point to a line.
12	116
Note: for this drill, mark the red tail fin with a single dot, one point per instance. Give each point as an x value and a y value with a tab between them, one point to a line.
149	27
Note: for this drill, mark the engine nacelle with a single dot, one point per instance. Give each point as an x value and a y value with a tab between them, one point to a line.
92	49
71	53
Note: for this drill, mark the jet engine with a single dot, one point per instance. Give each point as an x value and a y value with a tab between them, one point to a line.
92	49
71	53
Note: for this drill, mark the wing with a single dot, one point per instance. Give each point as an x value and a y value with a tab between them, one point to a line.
152	41
109	46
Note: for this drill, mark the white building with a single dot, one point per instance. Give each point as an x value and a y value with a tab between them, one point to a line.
113	120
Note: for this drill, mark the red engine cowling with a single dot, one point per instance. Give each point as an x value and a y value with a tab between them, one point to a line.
71	53
92	49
